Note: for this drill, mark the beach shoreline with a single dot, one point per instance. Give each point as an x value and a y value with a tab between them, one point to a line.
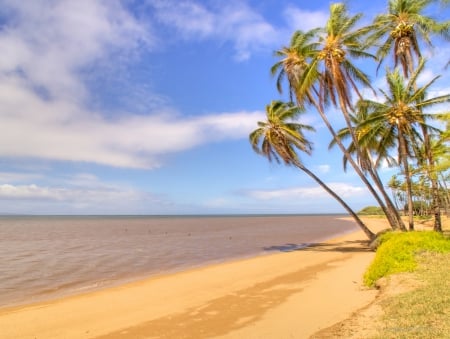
50	258
270	296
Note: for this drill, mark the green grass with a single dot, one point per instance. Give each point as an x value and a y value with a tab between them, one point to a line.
397	252
425	311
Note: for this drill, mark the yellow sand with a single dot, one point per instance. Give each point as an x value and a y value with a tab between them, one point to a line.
285	295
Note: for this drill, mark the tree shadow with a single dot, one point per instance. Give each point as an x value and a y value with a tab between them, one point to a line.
286	247
341	247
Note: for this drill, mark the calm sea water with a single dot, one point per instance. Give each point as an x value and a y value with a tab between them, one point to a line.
46	257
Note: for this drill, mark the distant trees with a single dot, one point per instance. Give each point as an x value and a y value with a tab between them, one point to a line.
401	127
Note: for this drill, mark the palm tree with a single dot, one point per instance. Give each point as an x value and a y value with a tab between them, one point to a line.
432	162
326	74
341	43
294	61
395	185
369	156
402	28
279	138
398	119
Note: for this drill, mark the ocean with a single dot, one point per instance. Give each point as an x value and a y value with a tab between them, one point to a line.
46	257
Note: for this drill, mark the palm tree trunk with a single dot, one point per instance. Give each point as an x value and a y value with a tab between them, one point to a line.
404	161
360	223
436	206
446	196
389	209
389	212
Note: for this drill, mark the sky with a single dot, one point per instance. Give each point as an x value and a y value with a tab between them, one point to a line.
145	107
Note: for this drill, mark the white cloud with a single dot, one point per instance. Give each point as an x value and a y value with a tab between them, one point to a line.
191	19
233	22
317	192
85	195
60	131
48	42
324	168
82	194
300	19
8	177
47	45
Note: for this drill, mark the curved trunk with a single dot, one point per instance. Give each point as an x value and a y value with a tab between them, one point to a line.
373	173
392	213
366	230
388	211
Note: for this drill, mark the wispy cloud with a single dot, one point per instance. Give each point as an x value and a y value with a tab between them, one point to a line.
45	102
62	132
82	193
48	43
13	177
342	189
301	19
324	168
233	22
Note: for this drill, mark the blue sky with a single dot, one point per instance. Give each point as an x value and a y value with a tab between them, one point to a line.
144	107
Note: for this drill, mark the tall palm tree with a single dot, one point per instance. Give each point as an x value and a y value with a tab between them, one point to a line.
370	157
400	32
341	43
279	139
399	119
326	74
401	29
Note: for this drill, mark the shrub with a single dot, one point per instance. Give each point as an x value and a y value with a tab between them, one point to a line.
371	210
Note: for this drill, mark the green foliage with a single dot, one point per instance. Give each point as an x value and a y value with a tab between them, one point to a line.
371	210
397	251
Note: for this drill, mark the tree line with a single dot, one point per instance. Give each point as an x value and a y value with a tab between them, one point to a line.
403	125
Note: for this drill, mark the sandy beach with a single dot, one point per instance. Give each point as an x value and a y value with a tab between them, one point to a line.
284	295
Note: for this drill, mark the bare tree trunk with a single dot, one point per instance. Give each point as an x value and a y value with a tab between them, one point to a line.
404	161
360	223
436	205
390	211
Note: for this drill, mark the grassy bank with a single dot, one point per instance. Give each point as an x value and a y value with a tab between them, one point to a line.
398	252
424	311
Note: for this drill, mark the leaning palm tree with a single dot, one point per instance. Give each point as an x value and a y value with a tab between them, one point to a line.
398	121
342	43
323	73
279	138
401	29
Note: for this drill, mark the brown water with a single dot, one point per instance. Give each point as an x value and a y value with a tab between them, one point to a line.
46	257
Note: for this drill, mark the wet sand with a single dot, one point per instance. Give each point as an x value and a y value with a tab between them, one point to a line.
284	295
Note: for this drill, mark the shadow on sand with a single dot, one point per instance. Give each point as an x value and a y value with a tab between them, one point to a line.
341	247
